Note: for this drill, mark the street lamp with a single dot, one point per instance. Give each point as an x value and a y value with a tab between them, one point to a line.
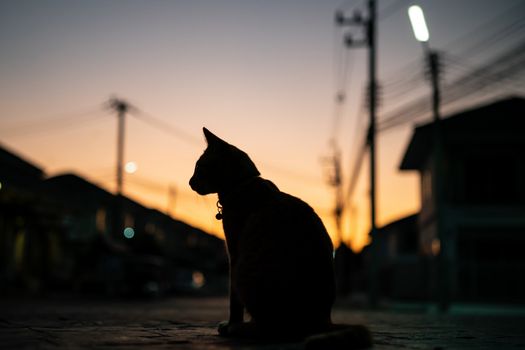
419	26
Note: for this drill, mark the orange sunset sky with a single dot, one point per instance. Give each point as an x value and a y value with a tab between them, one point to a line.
260	74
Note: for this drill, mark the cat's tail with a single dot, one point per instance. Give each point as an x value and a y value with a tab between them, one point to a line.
339	337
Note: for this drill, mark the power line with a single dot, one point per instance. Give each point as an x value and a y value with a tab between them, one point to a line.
166	127
465	67
182	135
343	69
356	170
53	123
345	6
494	71
499	37
406	80
501	18
291	174
390	10
359	139
507	65
470	37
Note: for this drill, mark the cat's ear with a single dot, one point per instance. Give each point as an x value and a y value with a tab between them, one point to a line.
211	139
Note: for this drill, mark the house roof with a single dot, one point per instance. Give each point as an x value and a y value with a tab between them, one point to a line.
502	116
17	171
399	224
72	185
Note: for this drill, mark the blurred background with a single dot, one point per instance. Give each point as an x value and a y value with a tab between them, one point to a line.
411	152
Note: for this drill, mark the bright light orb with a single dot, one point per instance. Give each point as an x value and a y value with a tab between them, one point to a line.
198	279
130	167
419	25
129	233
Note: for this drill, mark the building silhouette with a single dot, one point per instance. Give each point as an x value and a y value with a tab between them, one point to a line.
401	269
483	205
60	233
482	212
22	262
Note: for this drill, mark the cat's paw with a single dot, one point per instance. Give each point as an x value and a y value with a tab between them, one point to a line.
238	329
224	329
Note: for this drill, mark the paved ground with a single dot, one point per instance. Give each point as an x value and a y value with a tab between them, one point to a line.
190	323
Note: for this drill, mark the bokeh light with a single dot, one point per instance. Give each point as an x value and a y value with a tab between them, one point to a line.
131	167
129	232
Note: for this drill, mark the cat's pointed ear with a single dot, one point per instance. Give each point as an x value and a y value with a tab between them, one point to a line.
211	139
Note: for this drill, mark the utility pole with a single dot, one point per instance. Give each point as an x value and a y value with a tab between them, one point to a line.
121	107
419	26
369	24
335	181
172	193
343	254
444	246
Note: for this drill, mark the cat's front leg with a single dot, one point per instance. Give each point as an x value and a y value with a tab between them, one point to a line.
236	316
236	308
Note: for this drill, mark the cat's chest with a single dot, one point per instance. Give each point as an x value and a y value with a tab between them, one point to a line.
232	229
238	228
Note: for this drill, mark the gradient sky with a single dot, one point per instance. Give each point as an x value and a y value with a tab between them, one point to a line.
260	74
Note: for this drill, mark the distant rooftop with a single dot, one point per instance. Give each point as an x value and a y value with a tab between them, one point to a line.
502	116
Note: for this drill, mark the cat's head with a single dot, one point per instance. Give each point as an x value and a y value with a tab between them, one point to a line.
221	167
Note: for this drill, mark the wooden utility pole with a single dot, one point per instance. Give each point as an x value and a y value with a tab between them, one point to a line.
121	107
370	42
172	193
442	248
437	183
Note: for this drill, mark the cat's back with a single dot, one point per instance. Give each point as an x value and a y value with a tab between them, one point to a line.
297	221
285	235
283	216
286	259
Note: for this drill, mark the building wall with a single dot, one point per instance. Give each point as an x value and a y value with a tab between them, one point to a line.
483	213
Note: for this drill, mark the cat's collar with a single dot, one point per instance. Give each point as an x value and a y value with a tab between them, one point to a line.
218	216
225	197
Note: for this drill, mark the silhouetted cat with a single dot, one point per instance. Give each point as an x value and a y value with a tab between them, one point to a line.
281	257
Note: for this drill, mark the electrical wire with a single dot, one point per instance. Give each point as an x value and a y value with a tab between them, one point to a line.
491	24
398	77
462	67
52	123
502	36
407	113
341	93
356	170
359	147
182	135
167	127
500	69
390	10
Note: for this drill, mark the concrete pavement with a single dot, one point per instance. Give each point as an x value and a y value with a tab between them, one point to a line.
190	323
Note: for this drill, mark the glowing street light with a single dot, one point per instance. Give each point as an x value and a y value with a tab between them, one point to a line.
419	25
130	167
